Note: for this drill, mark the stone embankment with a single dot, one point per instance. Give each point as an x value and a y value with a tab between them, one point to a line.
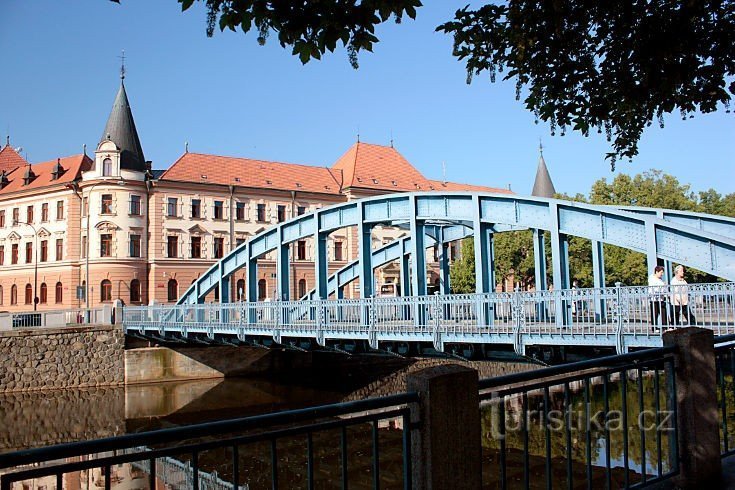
45	359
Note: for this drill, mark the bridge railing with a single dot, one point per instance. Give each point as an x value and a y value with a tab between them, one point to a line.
621	310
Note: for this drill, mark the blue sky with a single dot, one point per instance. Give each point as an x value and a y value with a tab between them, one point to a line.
227	95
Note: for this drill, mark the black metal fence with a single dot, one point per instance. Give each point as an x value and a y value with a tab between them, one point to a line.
612	422
585	416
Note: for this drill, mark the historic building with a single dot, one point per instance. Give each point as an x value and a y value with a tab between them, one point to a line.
143	235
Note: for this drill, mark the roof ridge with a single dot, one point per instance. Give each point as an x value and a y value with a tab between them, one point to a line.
308	165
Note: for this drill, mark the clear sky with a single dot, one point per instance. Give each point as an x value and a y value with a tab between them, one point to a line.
227	95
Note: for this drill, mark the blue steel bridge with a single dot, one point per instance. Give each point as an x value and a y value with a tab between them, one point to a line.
618	317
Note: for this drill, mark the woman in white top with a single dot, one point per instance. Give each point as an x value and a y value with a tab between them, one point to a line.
680	298
657	296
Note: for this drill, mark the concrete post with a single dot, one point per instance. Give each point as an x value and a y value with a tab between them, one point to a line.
696	404
446	448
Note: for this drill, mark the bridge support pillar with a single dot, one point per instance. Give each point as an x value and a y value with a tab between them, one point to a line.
539	272
560	268
443	256
252	287
283	275
405	275
321	289
484	265
598	273
446	445
418	256
697	412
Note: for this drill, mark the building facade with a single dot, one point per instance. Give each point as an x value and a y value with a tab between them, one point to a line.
108	226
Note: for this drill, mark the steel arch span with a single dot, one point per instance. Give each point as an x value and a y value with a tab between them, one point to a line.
709	245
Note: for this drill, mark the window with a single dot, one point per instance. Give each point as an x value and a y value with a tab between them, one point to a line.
16	216
59	209
196	247
172	246
29	252
60	293
44	212
14	253
59	249
106	290
135	291
301	210
2	254
105	245
240	211
44	250
106	167
173	290
239	241
84	247
29	294
196	208
240	290
219	247
44	293
218	210
261	212
29	214
301	250
135	205
135	245
338	251
261	289
106	207
14	295
281	213
172	207
2	219
85	206
302	288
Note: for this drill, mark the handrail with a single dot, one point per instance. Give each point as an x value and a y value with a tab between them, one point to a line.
200	430
600	362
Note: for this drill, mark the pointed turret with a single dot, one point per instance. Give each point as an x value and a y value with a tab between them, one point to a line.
542	186
120	129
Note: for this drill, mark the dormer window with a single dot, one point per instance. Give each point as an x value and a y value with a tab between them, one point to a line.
3	179
107	167
57	171
29	176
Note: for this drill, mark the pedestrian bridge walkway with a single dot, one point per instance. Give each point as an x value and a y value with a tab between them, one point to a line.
618	317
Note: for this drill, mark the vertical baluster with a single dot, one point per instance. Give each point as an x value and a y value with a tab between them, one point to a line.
547	437
195	469
503	462
526	477
641	426
376	456
606	399
106	474
343	445
274	464
624	409
657	408
235	466
407	468
720	368
309	461
568	434
588	431
151	474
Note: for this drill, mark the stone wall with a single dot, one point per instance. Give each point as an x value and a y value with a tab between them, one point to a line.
72	357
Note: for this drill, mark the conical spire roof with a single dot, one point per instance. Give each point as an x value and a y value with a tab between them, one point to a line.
120	129
543	186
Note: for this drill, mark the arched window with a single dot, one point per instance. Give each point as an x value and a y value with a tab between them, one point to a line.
60	293
261	289
106	167
44	293
302	288
14	295
240	289
135	291
106	290
173	290
29	294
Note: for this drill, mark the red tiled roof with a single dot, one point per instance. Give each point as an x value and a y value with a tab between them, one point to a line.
370	166
73	166
10	159
197	167
438	185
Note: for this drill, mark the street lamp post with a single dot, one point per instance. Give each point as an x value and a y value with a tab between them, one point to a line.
35	262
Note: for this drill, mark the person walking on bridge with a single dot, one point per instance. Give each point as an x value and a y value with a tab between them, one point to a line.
657	295
680	298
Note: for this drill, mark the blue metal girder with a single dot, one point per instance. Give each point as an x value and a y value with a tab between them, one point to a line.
665	238
720	225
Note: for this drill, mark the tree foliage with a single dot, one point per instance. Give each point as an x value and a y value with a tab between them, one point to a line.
310	28
615	66
462	273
